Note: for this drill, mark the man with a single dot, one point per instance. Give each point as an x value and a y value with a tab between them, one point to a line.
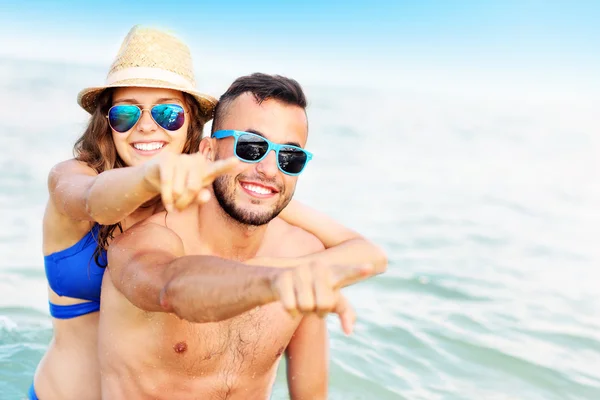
184	314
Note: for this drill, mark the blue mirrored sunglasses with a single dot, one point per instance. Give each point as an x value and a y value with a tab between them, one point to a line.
253	148
123	117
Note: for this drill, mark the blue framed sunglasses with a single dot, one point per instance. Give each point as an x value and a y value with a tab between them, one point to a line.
253	148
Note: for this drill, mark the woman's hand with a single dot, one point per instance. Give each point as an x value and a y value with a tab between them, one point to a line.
181	179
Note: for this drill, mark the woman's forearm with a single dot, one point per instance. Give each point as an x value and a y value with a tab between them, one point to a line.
117	193
354	251
342	245
326	229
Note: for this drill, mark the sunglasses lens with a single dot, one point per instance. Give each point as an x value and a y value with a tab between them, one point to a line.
292	160
123	118
251	147
169	116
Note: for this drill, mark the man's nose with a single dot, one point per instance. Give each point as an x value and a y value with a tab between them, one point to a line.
268	165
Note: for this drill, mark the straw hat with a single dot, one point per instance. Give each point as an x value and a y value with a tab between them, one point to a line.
150	58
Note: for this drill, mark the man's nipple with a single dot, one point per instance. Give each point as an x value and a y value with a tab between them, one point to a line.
180	347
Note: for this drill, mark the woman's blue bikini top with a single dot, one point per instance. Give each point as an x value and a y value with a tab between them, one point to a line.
73	272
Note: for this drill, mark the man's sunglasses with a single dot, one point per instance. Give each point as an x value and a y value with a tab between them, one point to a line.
253	148
123	117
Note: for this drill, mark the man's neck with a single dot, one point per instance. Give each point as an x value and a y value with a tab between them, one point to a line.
227	237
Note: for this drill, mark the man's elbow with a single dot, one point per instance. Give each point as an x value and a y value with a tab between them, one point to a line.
146	297
141	289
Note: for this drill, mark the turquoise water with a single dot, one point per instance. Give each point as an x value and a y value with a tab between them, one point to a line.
489	210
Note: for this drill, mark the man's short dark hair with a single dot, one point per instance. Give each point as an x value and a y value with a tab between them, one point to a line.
263	87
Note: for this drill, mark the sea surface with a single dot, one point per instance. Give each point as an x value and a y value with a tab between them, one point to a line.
488	208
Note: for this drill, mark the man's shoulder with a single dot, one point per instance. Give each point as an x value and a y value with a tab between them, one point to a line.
147	231
294	239
155	223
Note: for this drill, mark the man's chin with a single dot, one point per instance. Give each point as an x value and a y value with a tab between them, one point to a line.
252	216
245	210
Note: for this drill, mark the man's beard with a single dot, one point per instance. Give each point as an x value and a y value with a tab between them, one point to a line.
225	195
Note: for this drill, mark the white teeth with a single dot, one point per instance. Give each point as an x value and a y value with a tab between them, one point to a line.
149	146
257	189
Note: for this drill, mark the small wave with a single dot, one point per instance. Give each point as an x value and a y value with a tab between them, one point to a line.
428	285
568	340
542	378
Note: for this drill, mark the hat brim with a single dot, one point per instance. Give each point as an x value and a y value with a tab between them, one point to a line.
88	97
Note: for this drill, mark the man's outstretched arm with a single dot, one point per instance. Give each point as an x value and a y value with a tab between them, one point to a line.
147	264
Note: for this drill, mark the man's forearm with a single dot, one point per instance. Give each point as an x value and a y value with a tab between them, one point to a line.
210	289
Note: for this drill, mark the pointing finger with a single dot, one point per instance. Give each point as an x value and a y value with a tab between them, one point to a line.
214	169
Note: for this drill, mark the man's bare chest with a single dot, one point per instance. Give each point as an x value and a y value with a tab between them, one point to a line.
252	341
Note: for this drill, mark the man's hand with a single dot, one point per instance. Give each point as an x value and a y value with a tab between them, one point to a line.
315	288
211	289
181	179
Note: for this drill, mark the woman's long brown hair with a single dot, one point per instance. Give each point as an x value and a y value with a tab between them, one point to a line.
97	149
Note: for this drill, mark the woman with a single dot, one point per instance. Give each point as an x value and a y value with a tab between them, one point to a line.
126	161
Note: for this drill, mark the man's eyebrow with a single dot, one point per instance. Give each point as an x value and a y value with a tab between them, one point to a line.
260	134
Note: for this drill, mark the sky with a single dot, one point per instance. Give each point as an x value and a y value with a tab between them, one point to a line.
545	46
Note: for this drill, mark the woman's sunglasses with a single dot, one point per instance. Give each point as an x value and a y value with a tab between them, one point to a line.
253	148
123	117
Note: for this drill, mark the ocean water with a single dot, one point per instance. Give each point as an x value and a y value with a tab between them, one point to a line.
488	208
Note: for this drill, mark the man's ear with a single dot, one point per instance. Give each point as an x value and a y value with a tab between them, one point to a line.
207	148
